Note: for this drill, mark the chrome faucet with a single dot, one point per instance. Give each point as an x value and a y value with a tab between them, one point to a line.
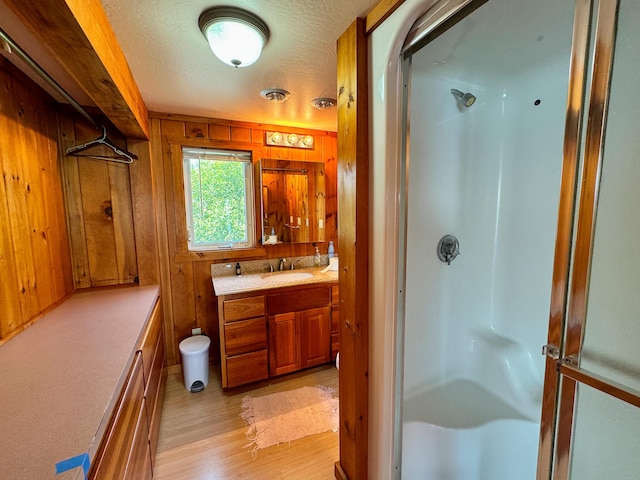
270	267
292	264
281	264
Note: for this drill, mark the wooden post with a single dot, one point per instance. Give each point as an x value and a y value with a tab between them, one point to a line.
353	226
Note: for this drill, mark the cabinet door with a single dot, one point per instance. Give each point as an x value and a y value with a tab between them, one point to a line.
315	336
284	343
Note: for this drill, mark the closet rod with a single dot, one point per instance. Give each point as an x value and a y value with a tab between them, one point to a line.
14	48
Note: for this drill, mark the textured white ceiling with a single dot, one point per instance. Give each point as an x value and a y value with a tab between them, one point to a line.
177	72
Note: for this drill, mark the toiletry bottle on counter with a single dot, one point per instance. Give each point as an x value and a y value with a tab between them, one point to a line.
238	272
316	258
331	250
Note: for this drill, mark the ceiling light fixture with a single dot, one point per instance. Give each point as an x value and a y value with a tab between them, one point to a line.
236	36
275	95
323	103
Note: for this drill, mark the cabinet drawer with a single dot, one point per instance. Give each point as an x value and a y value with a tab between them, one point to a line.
296	301
113	457
243	308
139	464
150	340
335	294
247	368
154	396
245	336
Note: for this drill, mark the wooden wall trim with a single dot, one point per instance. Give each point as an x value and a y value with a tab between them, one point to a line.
143	204
353	228
238	123
162	235
78	35
379	13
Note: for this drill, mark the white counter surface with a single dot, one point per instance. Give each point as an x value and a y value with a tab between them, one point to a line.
59	379
231	284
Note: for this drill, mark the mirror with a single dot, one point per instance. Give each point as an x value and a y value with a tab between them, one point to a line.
292	198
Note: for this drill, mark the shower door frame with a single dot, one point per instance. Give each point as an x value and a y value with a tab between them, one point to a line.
434	22
554	428
570	375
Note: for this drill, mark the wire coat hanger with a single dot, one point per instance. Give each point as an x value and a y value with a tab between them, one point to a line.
124	155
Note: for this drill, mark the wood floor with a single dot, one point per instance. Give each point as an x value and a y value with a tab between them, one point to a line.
202	436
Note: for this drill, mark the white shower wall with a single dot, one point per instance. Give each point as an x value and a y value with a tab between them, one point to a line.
490	175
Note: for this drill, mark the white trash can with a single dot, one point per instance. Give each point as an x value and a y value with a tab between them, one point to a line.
195	362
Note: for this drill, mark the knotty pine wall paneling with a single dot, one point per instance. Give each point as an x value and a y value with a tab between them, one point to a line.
353	178
185	276
34	247
143	192
99	205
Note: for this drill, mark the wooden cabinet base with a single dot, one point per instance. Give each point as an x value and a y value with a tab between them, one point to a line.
284	330
127	450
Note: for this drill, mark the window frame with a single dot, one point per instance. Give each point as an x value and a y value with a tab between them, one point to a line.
189	153
174	207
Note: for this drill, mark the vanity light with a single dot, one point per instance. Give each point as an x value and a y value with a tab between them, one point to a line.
277	138
289	140
235	36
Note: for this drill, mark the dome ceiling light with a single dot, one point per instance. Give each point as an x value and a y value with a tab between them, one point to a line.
275	95
323	103
235	36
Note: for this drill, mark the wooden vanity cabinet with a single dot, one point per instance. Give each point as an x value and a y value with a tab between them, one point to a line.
299	329
128	447
281	331
243	339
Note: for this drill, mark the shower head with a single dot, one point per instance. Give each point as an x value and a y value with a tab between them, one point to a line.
465	99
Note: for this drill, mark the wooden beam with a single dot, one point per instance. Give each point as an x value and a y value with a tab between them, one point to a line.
78	35
353	232
380	12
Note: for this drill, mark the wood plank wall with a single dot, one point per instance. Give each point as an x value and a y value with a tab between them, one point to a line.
186	278
353	179
35	264
99	205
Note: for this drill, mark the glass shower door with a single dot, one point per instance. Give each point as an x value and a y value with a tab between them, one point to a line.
598	423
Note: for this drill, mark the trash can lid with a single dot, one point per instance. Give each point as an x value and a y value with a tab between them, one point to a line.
194	345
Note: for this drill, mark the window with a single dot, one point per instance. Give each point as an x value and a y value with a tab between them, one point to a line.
218	187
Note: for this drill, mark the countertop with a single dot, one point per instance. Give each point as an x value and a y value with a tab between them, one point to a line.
232	284
60	379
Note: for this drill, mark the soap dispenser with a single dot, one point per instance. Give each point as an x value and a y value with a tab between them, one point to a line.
316	258
331	250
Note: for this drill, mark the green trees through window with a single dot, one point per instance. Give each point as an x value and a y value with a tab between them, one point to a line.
218	193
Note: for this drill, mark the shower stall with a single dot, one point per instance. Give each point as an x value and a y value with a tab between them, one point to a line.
484	116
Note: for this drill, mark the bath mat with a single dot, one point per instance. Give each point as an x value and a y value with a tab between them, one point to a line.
286	416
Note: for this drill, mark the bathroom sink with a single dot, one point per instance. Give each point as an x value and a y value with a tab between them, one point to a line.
281	277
